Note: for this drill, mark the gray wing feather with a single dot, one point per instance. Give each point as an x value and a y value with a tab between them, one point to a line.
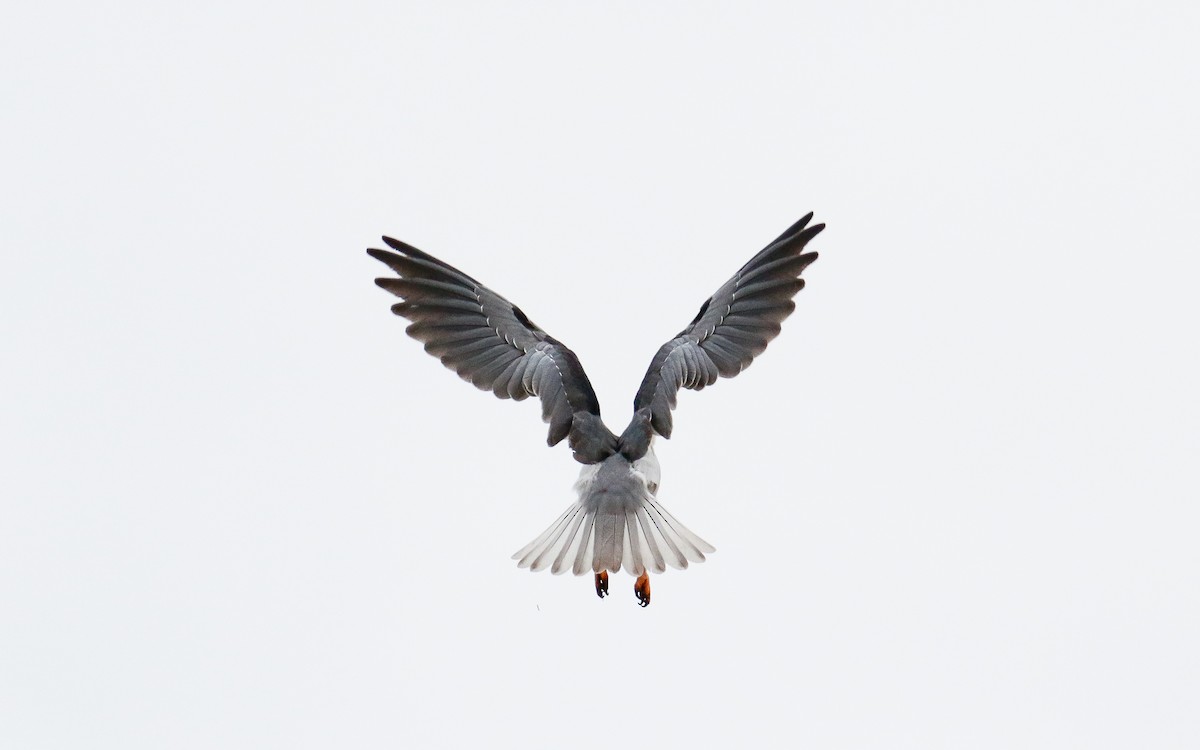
732	328
488	341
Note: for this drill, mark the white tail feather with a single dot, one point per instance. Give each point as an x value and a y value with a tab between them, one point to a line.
527	553
645	539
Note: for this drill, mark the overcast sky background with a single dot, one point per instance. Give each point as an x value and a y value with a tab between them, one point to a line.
954	503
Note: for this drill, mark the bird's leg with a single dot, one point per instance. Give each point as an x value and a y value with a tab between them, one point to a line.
602	584
641	587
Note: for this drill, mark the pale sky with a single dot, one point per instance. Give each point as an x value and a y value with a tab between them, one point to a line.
954	503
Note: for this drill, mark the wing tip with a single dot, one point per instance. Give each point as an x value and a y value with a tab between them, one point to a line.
391	285
395	244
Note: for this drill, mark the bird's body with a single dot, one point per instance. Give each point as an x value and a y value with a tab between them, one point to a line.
617	521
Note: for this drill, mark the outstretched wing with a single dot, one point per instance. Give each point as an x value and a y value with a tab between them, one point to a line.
490	342
732	328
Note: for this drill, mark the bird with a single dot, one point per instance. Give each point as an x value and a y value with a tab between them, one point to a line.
616	521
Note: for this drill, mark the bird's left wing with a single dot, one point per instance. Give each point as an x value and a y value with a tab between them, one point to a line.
732	328
488	341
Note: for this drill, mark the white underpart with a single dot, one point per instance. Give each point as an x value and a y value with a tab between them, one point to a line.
616	523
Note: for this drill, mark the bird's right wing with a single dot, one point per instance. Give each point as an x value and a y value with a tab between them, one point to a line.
732	328
490	342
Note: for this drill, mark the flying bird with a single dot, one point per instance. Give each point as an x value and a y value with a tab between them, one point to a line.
617	522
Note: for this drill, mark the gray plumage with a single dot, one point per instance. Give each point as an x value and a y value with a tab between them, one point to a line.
490	342
732	328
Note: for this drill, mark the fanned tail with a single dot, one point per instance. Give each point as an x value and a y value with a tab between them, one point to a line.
645	538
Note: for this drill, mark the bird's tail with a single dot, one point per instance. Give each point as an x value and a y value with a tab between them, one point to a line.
643	538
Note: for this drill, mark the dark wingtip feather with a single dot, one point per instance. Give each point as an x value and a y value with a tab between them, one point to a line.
806	260
412	252
396	244
795	243
793	229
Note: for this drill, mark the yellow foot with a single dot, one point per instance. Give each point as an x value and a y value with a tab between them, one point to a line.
642	588
602	584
